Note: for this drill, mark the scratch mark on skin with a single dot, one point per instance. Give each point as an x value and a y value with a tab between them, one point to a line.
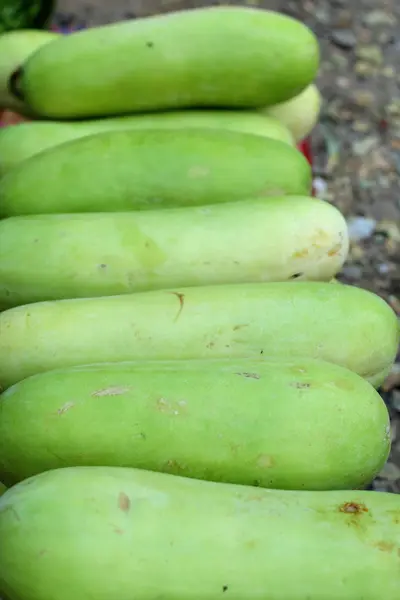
65	408
113	390
181	298
249	375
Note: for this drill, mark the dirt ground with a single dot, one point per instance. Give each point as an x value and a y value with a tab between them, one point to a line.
356	144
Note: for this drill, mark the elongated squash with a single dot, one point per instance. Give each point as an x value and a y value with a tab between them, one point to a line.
123	533
229	421
126	170
27	139
104	254
337	323
236	57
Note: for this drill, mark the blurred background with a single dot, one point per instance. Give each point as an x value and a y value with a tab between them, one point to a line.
355	147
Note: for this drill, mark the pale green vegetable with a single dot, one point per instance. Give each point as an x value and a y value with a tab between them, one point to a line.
101	532
337	323
50	257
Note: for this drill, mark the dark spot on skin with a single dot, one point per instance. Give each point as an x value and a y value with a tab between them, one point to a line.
249	375
385	546
103	266
123	502
262	352
296	275
14	84
181	298
256	483
300	386
224	588
353	508
240	326
149	44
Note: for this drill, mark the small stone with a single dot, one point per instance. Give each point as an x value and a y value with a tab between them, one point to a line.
362	147
390	471
385	37
378	17
371	53
339	60
322	15
343	82
394	108
352	272
360	228
364	69
395	400
361	126
383	269
363	98
389	72
379	486
343	20
344	38
320	186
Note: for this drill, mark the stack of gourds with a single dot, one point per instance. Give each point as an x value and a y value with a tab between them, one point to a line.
189	404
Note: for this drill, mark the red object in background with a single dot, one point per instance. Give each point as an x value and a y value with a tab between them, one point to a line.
8	117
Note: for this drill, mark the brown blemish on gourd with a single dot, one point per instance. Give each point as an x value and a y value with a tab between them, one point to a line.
335	250
384	546
249	375
172	466
353	508
112	390
181	298
301	253
124	502
300	385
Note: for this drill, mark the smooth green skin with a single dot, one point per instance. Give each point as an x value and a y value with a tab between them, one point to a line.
299	114
51	257
221	57
15	47
337	323
128	170
229	421
117	533
27	139
2	488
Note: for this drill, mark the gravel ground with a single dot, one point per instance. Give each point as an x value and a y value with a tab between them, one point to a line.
356	144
